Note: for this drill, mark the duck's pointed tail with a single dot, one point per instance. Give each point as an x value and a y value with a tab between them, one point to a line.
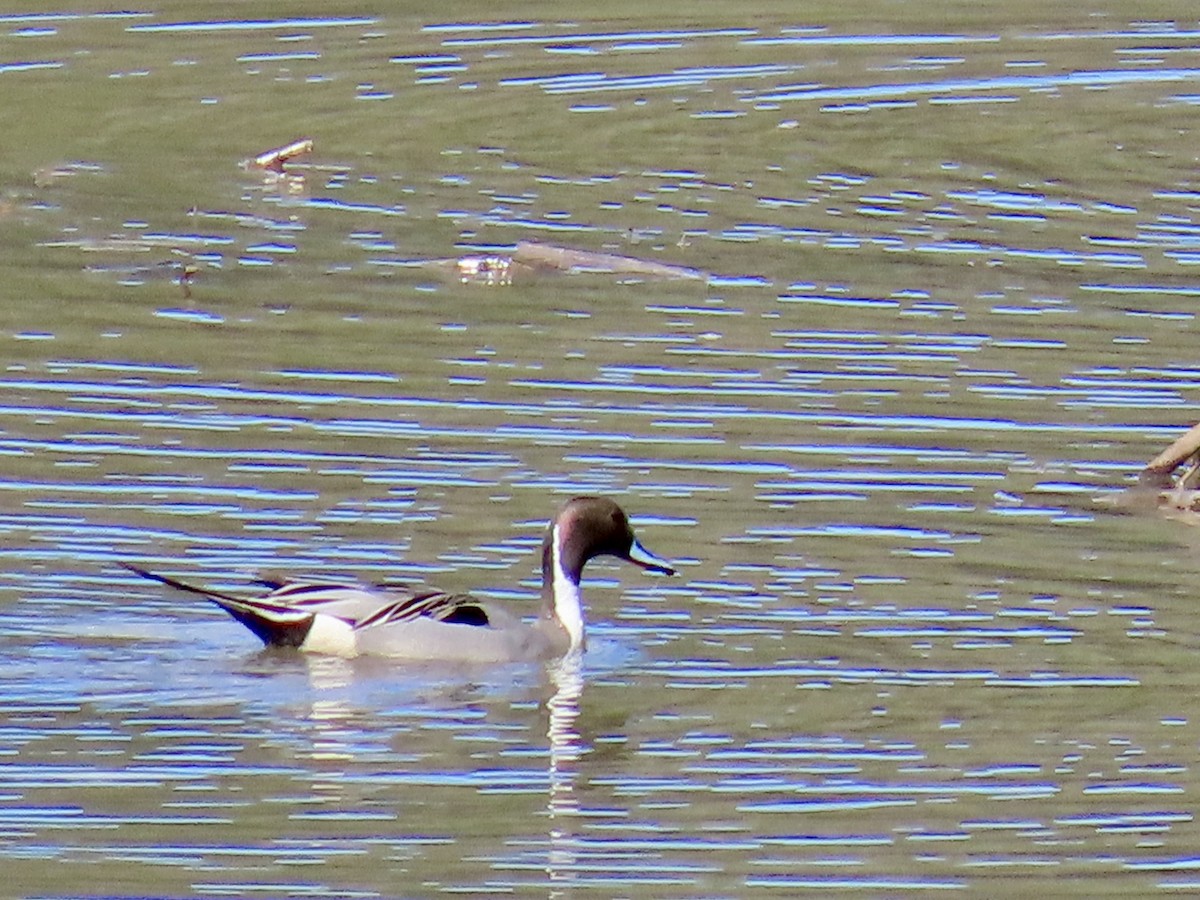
273	624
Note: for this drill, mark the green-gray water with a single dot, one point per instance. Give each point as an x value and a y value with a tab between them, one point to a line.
916	645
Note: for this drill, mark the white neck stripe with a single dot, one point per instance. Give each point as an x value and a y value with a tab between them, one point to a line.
568	601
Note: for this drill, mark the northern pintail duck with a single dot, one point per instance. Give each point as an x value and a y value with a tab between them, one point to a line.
351	620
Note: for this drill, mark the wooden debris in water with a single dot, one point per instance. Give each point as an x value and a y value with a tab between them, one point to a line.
186	274
274	160
533	256
491	270
567	259
181	270
1158	475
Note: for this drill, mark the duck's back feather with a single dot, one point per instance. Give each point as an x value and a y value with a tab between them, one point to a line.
458	609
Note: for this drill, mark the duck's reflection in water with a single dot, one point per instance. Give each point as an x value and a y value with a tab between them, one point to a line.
565	750
330	675
335	733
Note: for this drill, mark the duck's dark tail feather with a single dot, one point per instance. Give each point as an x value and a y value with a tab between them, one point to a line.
215	596
271	623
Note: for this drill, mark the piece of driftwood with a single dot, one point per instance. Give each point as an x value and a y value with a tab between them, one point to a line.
274	160
1158	478
566	259
1187	444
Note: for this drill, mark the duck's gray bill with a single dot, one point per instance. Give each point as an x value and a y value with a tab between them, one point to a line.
640	556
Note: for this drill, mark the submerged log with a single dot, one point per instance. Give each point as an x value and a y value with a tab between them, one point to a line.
567	259
531	257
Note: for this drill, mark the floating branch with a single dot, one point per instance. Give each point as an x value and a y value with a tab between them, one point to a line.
274	160
1158	478
1157	473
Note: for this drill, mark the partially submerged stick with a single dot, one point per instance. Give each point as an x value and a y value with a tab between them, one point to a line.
273	160
1157	472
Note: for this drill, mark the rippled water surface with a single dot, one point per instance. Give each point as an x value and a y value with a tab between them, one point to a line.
946	315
